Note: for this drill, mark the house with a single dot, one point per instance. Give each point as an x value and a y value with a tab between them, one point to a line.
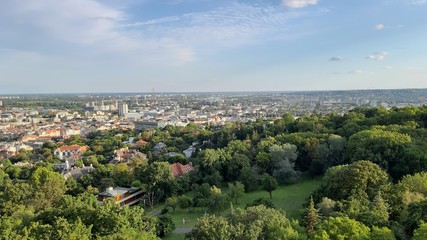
178	169
73	151
159	147
139	143
189	151
126	154
77	172
122	196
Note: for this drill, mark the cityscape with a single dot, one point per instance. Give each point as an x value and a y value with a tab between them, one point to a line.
213	120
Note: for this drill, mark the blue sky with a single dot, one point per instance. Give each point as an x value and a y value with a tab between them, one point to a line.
51	46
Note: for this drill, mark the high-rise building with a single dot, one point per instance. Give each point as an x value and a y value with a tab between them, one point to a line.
123	109
1	103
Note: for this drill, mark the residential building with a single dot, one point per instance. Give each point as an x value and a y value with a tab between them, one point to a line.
179	169
122	196
123	109
72	151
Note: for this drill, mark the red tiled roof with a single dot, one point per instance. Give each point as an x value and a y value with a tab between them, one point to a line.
73	148
141	143
178	169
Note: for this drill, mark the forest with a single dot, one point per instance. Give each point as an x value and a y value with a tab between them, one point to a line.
371	164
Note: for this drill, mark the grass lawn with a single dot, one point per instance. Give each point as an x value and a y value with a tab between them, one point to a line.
288	198
175	236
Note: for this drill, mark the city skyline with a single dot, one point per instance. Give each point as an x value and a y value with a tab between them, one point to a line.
84	46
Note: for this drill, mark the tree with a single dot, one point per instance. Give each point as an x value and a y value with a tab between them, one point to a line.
342	181
269	184
165	225
263	162
158	179
248	178
312	217
326	206
184	202
413	188
256	222
382	147
421	232
378	212
211	228
331	153
341	228
236	190
235	165
172	202
282	163
48	187
382	234
217	201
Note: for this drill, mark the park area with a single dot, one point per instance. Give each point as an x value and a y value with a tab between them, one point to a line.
288	198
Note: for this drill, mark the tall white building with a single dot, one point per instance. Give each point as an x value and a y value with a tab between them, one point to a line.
123	109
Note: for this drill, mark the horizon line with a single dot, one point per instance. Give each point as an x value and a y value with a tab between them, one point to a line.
212	92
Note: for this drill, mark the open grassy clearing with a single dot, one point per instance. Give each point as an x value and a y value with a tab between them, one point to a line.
288	198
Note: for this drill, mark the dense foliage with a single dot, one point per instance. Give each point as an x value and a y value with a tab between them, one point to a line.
373	162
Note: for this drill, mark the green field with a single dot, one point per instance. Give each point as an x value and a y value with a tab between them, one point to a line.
288	198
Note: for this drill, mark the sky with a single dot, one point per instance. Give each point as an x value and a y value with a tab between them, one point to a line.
83	46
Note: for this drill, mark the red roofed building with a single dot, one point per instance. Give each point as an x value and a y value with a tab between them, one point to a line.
70	151
140	143
178	169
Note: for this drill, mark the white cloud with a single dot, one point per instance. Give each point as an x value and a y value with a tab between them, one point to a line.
388	67
298	3
93	29
418	2
336	59
234	24
379	56
355	72
379	26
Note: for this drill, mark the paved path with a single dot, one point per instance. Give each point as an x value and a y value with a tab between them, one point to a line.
155	214
182	230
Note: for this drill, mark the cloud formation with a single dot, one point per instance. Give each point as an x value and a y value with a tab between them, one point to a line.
418	2
96	28
336	59
298	3
378	56
379	26
355	72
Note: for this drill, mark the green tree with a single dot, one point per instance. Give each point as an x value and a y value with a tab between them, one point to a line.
236	191
269	184
341	228
421	232
184	202
211	228
342	181
172	202
48	188
311	217
382	234
217	201
165	225
382	147
158	178
248	178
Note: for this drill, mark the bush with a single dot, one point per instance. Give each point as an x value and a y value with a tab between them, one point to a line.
165	225
164	211
261	201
